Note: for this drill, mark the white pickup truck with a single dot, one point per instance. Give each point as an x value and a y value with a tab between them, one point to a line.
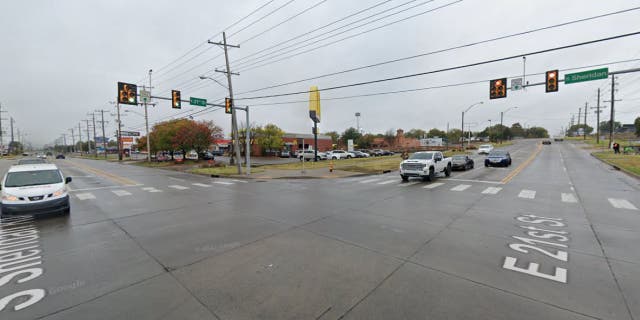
425	164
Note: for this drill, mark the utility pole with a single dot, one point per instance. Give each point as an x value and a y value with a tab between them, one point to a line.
598	119
119	133
88	139
146	121
234	124
95	143
11	143
64	140
584	132
73	140
1	140
104	138
80	136
579	116
612	119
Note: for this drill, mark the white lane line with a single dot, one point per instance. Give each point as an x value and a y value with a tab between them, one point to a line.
151	189
388	181
461	187
491	190
471	180
433	185
223	183
121	193
569	197
85	196
177	179
622	204
406	184
201	185
527	194
178	187
241	181
369	181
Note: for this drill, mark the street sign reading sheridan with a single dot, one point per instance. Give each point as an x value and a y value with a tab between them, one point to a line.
596	74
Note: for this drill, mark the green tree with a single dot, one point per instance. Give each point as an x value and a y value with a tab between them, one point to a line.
415	134
16	147
351	133
576	127
537	132
517	130
454	135
389	137
269	137
605	125
335	136
436	133
366	141
637	125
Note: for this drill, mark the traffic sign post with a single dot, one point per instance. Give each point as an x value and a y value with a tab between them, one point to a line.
145	95
198	102
596	74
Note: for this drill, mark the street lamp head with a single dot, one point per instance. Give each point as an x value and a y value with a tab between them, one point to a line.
202	77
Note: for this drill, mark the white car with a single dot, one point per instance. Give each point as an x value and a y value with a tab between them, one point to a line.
34	189
485	149
309	154
339	154
425	164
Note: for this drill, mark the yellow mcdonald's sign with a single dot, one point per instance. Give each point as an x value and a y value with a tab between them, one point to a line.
314	104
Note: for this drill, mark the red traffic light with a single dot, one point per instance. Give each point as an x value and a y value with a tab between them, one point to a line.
551	81
498	88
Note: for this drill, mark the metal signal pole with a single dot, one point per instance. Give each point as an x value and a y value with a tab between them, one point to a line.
234	123
584	132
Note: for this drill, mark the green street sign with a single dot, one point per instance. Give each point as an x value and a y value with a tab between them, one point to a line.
197	102
596	74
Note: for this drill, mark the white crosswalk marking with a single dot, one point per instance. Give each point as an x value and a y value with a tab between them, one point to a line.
369	181
201	185
461	187
527	194
622	204
388	181
241	181
569	197
491	190
121	193
85	196
433	185
178	187
223	183
406	184
151	189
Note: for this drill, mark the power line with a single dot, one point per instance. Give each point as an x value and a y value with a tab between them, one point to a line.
258	59
442	50
285	21
261	18
450	68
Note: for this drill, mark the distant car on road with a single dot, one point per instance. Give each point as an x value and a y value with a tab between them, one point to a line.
546	141
360	154
498	158
462	162
485	149
34	189
31	161
558	138
60	156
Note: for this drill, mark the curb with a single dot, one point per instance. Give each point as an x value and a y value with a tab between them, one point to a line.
615	167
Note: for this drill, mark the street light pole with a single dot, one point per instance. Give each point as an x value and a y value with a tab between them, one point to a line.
463	112
501	125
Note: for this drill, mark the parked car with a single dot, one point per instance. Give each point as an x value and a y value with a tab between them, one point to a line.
31	161
34	189
217	152
309	154
498	158
285	154
485	149
60	156
360	154
387	153
425	164
339	154
207	155
546	141
376	152
462	162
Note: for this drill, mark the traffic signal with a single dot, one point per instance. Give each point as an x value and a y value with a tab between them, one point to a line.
227	105
551	81
175	99
498	88
127	93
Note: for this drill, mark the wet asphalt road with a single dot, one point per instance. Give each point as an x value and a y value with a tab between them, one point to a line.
553	237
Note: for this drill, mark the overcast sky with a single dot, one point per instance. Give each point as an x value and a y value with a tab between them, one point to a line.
60	60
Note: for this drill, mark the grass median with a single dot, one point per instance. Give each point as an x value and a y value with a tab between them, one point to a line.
627	162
